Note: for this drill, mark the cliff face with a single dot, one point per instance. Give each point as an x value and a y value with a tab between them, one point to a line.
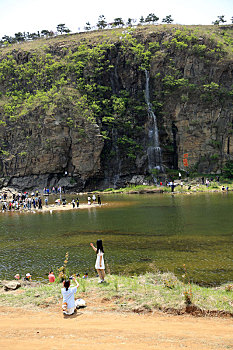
73	110
42	148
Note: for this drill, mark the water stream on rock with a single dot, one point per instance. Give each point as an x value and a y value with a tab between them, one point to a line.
153	150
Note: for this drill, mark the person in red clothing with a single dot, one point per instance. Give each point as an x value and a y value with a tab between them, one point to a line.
51	277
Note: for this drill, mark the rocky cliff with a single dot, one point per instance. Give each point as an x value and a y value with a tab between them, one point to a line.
73	109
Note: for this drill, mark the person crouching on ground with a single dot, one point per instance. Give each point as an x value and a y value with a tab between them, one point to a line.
68	293
99	265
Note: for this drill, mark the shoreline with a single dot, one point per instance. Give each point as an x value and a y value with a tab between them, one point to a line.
148	293
53	208
140	190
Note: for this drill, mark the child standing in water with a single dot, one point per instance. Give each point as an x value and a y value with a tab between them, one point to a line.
99	264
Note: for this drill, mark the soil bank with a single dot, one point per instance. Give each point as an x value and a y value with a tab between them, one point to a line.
22	329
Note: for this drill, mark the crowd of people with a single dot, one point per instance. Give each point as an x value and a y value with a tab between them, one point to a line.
31	201
54	190
21	201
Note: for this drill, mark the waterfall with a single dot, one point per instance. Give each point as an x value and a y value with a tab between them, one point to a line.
153	150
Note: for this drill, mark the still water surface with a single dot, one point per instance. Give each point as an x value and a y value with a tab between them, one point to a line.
139	233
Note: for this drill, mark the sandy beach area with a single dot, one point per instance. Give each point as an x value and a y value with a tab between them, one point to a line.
68	206
56	208
22	329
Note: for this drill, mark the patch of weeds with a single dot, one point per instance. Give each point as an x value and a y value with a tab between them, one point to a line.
229	288
63	271
188	294
115	284
82	284
169	281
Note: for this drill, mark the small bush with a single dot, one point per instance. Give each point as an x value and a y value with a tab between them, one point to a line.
229	287
228	170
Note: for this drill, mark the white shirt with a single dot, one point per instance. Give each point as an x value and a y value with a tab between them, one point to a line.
68	296
97	263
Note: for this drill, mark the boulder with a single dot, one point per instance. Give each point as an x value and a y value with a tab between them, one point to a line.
10	285
138	180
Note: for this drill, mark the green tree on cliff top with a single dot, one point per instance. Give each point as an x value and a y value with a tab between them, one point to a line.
168	19
61	28
101	24
151	18
87	26
118	22
219	20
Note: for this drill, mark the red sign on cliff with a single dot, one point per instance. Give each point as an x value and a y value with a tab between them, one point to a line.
185	159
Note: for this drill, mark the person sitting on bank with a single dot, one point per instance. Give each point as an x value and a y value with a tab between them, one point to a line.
51	277
68	305
28	277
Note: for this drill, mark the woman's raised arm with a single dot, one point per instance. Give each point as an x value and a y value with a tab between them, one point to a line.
93	247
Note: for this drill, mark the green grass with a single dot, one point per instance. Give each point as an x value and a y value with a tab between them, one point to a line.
148	292
128	189
195	187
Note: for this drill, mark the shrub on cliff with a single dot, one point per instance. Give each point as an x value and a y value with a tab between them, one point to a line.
228	170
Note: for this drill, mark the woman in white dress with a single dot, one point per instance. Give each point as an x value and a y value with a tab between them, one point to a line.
99	264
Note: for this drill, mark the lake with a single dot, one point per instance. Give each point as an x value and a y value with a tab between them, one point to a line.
140	233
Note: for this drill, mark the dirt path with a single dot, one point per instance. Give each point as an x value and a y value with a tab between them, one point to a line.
49	329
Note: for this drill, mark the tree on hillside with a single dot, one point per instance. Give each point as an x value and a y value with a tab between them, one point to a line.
33	36
8	39
168	19
151	18
141	20
118	22
231	19
20	37
87	26
101	24
45	32
219	20
61	28
129	22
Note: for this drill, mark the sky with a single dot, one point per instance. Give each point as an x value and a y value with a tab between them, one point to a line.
36	15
